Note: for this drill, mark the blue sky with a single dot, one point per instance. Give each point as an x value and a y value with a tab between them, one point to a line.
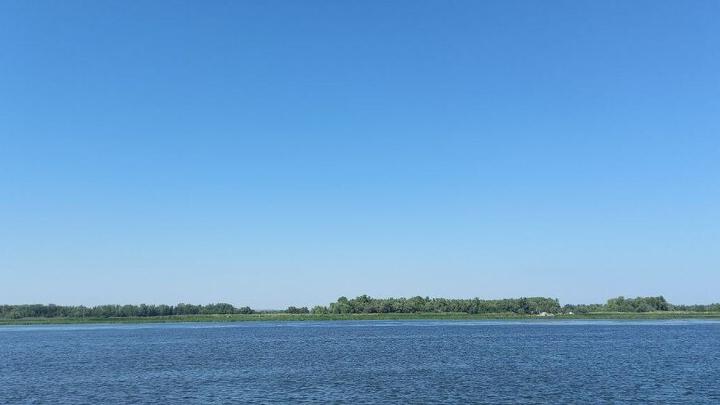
284	152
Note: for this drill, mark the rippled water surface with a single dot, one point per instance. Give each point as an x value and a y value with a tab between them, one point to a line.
363	362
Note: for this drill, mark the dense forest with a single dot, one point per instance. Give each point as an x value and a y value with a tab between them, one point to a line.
361	305
365	304
524	306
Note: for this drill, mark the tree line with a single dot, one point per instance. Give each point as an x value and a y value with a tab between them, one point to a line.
116	311
639	304
363	304
521	306
622	304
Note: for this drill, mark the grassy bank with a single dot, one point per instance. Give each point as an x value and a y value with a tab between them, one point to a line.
350	317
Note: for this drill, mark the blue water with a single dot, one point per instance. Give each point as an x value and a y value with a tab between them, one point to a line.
363	362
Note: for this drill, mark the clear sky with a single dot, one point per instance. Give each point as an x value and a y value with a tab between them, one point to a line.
270	153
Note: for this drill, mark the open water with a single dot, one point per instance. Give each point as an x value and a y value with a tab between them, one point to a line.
363	362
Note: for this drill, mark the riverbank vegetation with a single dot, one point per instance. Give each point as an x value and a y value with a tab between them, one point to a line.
419	316
366	304
116	311
364	307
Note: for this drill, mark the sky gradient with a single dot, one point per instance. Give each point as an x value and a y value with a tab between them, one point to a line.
286	153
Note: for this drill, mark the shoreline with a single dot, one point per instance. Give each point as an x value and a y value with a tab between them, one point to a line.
281	317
